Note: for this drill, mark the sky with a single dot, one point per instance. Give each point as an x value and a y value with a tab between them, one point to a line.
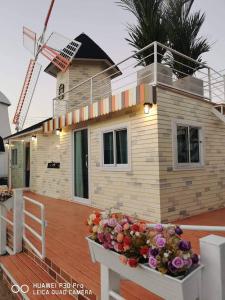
103	20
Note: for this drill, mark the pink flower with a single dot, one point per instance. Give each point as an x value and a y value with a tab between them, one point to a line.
152	262
178	262
158	227
188	262
112	222
126	226
118	228
123	259
119	237
160	242
118	247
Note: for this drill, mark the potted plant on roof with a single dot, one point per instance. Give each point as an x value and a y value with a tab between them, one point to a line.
145	255
173	24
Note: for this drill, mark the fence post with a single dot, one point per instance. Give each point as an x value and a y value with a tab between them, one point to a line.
18	220
155	63
2	230
212	249
110	281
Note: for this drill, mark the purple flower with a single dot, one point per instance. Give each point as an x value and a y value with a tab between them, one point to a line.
195	259
112	222
100	237
152	262
153	252
158	227
178	230
188	262
178	262
118	228
184	245
160	242
171	268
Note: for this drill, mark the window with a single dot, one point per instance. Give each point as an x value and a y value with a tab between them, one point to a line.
188	145
61	91
115	148
14	157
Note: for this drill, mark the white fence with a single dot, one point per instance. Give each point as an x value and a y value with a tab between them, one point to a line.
156	64
41	221
19	223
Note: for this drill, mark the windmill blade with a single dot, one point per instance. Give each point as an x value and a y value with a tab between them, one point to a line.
30	40
60	50
27	93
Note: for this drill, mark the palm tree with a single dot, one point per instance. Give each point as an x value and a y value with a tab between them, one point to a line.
183	30
167	21
150	27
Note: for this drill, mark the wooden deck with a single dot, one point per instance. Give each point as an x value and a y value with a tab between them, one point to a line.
67	250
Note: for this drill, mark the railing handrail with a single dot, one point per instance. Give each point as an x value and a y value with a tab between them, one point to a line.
41	221
193	227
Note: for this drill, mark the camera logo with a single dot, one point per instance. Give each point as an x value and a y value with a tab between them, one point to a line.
23	289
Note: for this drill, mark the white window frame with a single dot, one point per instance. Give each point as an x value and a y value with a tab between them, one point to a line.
115	166
190	165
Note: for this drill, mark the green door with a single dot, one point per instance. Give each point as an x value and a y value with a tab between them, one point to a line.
81	164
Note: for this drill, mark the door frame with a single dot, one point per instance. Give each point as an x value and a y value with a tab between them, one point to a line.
75	198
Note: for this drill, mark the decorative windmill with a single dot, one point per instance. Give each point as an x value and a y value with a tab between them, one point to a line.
58	49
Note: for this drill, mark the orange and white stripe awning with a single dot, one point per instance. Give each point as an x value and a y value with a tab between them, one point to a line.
134	96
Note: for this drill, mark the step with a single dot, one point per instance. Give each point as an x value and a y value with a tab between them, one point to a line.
22	270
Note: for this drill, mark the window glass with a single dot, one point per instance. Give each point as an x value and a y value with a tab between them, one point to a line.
61	91
108	148
121	147
182	144
14	157
194	144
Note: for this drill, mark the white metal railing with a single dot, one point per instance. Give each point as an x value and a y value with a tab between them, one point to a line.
41	221
166	66
194	227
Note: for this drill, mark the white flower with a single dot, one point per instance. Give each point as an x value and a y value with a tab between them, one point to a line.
131	232
186	256
137	233
148	241
166	254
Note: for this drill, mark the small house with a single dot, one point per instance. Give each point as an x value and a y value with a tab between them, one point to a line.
152	146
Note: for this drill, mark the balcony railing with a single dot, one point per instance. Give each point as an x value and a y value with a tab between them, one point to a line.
156	64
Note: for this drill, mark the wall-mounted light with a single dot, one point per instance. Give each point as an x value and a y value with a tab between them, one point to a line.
34	138
58	131
147	107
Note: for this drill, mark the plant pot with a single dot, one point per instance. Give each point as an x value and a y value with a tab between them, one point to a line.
190	84
167	287
146	75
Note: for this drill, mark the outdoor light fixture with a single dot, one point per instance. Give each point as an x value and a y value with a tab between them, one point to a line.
58	131
34	138
147	107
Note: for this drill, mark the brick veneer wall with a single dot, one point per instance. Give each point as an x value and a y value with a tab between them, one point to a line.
190	192
79	71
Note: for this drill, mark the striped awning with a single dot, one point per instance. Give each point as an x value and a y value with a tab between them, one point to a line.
134	96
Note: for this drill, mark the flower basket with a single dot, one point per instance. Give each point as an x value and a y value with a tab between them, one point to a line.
165	286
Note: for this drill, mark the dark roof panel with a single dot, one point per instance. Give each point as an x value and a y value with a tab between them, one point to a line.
88	50
28	129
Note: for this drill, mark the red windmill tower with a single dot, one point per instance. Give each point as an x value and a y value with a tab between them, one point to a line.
58	49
